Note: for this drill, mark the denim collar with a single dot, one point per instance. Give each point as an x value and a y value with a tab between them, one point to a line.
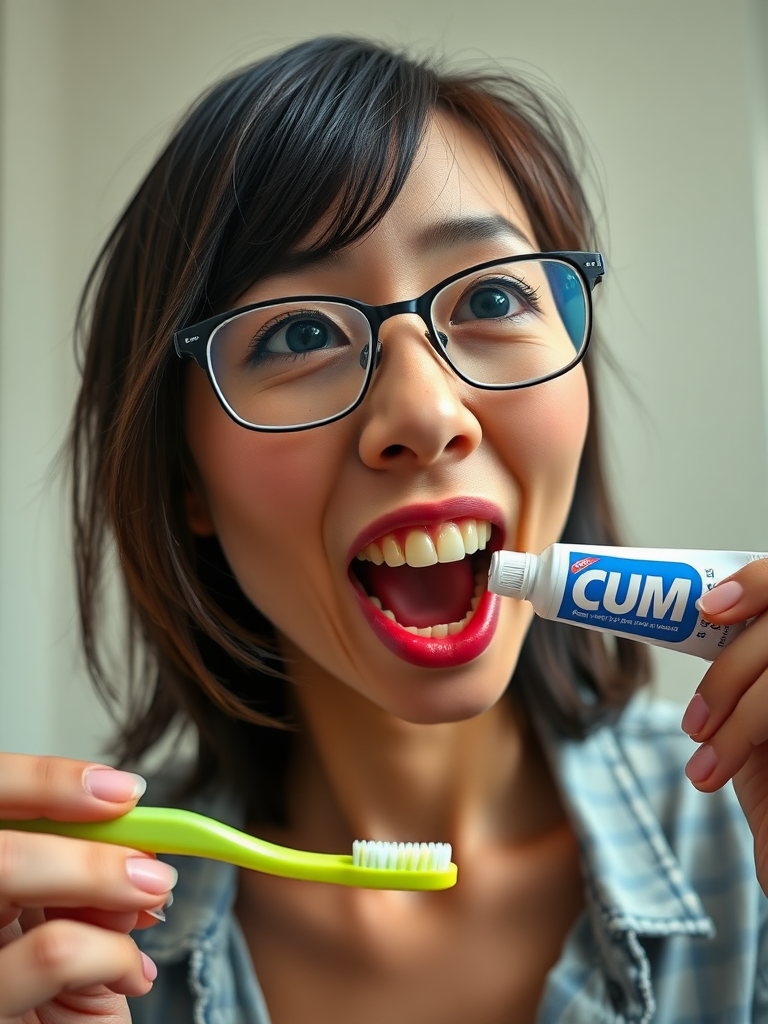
631	871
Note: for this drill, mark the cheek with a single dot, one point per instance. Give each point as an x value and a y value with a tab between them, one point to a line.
540	436
266	493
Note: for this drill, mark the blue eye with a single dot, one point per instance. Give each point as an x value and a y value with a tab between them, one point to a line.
498	299
297	334
489	302
306	336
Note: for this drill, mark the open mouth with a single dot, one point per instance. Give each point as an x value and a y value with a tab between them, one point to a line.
428	580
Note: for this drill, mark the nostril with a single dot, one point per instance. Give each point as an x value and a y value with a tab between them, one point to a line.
392	450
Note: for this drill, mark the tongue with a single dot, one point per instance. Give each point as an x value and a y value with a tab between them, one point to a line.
423	597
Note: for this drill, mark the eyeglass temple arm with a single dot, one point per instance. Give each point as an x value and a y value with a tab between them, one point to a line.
591	264
191	343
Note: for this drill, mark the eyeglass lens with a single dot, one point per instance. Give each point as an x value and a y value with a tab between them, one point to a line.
296	363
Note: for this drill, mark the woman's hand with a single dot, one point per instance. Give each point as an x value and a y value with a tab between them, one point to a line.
728	714
67	905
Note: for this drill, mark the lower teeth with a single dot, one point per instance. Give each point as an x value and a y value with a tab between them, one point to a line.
442	629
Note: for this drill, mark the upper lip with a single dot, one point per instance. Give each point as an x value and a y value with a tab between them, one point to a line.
425	514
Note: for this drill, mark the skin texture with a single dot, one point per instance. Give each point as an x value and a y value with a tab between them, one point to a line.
66	906
728	714
391	749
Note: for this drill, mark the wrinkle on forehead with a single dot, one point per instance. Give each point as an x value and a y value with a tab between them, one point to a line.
473	165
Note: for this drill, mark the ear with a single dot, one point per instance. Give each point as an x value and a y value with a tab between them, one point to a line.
196	505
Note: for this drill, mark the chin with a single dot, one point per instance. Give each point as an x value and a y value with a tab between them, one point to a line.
435	697
460	708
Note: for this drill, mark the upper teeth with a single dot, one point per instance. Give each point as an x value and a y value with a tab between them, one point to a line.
425	545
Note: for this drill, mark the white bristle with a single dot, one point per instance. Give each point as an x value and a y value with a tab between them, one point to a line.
401	856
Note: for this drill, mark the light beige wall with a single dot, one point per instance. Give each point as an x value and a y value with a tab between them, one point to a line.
667	91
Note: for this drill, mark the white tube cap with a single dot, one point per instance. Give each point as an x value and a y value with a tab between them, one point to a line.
510	574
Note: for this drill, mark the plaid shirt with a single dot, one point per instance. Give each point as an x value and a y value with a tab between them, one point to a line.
674	926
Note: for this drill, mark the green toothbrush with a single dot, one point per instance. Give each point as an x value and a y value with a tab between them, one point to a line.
373	865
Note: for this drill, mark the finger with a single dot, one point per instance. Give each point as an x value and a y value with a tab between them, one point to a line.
729	748
66	955
740	596
64	789
727	680
112	920
146	920
56	871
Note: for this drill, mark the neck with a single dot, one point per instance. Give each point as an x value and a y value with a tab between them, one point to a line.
362	773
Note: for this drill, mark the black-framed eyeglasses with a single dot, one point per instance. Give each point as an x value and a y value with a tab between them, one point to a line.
306	360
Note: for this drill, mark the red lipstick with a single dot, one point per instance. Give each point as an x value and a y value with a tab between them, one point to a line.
432	652
427	514
429	652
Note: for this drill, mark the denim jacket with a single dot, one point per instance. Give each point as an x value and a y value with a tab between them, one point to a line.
674	926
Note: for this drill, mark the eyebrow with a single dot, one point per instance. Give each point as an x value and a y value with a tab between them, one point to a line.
444	234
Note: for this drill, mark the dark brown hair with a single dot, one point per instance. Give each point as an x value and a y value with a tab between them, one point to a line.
327	129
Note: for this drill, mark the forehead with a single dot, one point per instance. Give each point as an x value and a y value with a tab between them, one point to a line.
457	207
456	175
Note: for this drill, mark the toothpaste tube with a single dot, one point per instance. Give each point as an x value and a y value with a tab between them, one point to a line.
646	594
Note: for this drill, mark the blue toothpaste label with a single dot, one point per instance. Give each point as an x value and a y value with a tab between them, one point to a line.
648	598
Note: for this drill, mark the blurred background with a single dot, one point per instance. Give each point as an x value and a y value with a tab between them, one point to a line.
672	96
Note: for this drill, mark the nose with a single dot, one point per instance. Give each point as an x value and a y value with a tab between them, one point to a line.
414	415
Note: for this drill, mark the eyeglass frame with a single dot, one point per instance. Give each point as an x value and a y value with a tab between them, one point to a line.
193	342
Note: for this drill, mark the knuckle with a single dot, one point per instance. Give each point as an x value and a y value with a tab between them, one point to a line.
54	947
101	862
757	572
47	774
750	721
734	741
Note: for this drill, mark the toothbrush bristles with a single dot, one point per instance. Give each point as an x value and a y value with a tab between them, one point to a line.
401	856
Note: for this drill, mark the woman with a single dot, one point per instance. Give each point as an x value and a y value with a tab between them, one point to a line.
301	519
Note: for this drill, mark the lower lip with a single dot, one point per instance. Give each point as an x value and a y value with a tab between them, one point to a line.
429	652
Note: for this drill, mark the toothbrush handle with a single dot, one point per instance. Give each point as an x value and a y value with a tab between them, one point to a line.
153	830
173	831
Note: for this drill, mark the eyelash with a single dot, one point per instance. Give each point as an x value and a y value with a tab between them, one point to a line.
270	329
530	295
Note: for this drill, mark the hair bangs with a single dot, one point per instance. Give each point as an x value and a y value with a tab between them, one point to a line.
317	169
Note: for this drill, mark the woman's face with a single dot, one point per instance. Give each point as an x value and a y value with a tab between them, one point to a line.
408	472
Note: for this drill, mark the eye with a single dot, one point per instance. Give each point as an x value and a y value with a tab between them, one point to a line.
495	300
297	334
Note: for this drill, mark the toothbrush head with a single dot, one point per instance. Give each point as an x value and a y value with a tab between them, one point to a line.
404	865
401	856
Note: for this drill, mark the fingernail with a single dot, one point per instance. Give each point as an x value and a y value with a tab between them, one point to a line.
159	912
702	764
720	598
114	786
149	967
149	875
696	715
